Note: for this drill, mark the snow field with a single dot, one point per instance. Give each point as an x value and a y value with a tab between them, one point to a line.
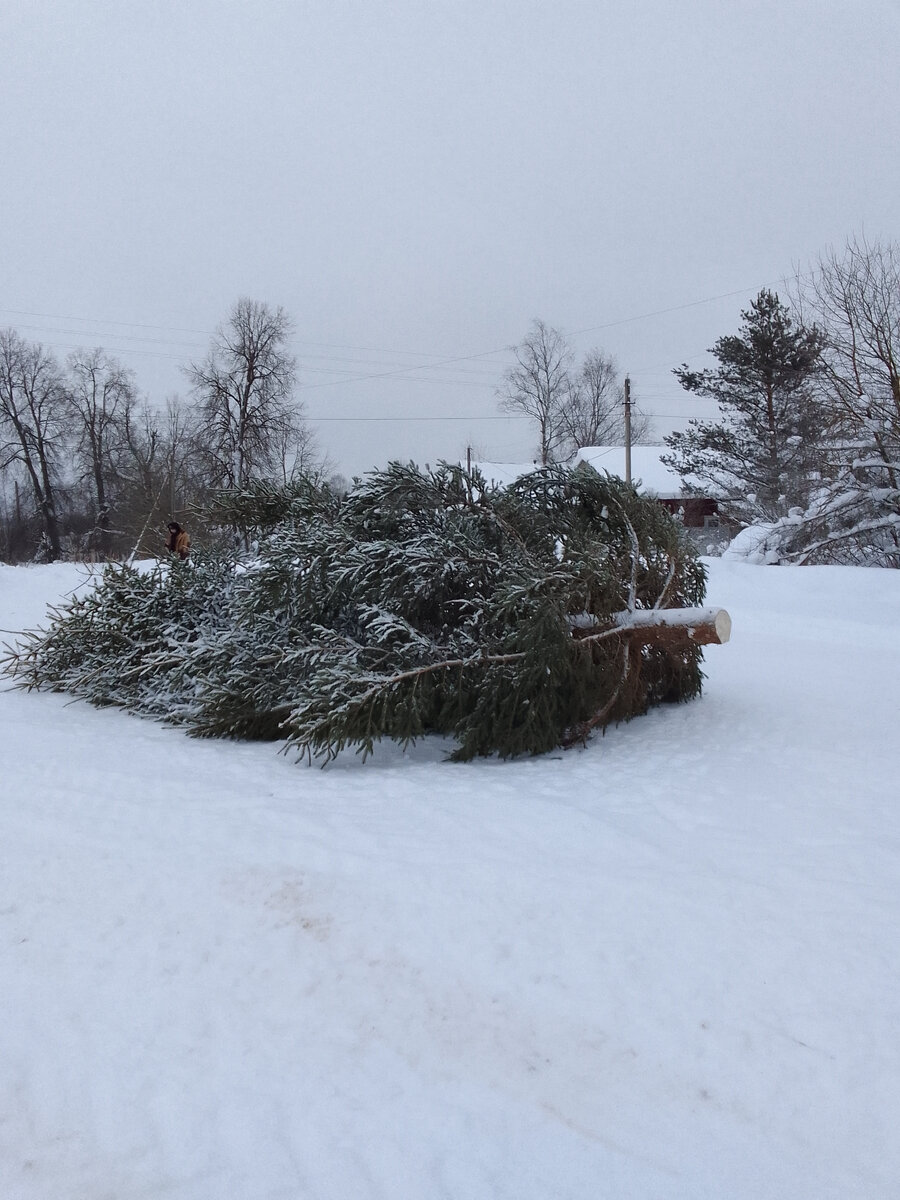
663	967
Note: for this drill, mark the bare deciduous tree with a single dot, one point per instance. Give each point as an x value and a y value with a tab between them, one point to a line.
33	419
245	391
855	296
571	408
162	482
141	430
100	392
539	385
594	414
295	452
181	432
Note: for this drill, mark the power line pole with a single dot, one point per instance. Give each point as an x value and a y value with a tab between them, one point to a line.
627	430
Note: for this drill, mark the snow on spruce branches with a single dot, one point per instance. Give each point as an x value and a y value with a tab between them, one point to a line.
423	601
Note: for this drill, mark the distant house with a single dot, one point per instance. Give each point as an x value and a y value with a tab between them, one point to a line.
654	478
648	474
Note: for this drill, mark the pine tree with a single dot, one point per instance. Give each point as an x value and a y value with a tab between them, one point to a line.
421	602
762	457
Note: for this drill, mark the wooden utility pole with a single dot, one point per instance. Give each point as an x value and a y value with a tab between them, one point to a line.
627	430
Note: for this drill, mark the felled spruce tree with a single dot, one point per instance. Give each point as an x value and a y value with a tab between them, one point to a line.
422	602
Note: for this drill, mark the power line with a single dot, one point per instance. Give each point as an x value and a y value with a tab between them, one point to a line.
434	381
394	372
125	336
102	335
661	312
209	333
125	350
456	417
407	420
16	312
405	370
590	329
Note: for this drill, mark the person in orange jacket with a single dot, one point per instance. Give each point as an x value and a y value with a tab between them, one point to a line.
179	541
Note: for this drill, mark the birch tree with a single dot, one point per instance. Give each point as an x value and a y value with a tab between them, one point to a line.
539	386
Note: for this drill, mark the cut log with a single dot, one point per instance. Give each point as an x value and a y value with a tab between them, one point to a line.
661	627
702	626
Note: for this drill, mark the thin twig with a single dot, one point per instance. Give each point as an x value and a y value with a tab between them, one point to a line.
580	732
635	554
667	585
130	560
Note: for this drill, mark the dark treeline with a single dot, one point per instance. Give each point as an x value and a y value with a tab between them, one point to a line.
89	469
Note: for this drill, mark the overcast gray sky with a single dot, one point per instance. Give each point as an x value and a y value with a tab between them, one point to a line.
416	182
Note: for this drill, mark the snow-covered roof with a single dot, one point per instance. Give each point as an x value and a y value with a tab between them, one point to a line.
654	478
503	474
646	469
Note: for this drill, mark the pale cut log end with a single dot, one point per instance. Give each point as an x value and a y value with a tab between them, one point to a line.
713	630
723	626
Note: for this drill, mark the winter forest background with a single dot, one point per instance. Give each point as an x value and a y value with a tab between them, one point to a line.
803	447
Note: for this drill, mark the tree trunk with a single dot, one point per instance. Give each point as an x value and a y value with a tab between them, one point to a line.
661	627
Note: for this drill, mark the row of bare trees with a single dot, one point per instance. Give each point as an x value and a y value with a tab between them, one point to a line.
571	404
87	466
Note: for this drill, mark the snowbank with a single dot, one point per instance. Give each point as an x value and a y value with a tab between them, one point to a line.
755	545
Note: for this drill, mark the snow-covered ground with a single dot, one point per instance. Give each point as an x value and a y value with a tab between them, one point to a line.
666	966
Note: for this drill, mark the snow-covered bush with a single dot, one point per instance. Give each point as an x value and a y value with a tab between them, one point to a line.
420	602
852	519
854	516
